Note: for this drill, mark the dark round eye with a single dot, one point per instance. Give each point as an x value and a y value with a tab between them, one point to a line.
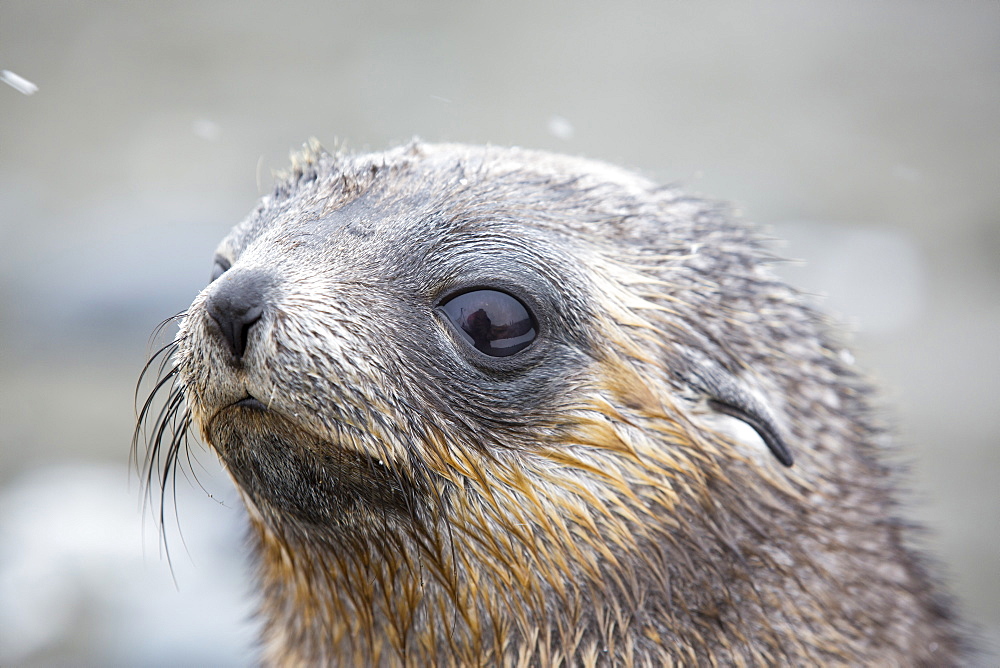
494	322
220	267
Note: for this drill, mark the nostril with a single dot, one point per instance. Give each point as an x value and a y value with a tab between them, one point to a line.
235	305
249	320
235	327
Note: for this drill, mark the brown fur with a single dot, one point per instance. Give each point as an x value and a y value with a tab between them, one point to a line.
586	502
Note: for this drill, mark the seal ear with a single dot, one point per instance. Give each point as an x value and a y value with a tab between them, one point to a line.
759	422
727	394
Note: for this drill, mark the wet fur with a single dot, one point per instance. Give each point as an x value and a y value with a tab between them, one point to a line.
578	503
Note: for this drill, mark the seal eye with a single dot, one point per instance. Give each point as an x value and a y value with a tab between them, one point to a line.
494	322
220	267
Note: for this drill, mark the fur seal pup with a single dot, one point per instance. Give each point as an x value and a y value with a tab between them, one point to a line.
492	406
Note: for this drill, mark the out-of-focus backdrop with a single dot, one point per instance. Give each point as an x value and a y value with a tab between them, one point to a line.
866	133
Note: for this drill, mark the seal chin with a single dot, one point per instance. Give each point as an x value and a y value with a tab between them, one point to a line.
298	475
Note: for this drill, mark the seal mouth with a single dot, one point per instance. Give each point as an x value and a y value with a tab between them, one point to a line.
250	402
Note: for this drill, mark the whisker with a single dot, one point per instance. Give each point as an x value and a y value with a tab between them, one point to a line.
162	428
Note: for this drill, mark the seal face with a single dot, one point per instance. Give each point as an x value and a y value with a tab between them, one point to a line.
497	406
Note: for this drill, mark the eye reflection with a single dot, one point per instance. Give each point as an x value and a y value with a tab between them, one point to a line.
494	322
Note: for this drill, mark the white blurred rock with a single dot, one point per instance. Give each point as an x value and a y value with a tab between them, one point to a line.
82	579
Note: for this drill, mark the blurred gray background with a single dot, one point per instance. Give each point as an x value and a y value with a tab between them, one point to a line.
866	133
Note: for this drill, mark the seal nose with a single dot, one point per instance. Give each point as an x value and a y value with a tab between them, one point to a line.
235	304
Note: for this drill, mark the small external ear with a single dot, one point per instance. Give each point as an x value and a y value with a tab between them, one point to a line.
727	394
764	427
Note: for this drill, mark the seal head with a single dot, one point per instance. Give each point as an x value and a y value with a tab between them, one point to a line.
497	406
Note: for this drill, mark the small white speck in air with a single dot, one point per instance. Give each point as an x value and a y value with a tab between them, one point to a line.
18	82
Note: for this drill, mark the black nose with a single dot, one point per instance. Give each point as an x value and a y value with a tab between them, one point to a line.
236	303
